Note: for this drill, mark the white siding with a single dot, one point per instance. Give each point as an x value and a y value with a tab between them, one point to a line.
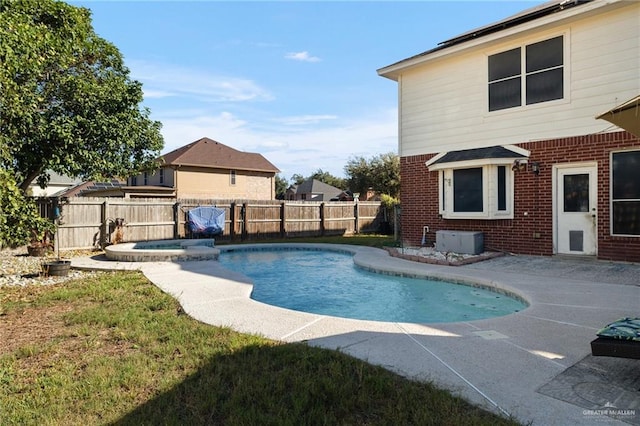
443	103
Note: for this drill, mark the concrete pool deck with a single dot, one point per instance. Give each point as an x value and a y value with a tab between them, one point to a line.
534	365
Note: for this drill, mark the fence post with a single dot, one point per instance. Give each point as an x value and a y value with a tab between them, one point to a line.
176	220
322	224
356	215
104	237
232	218
283	228
396	213
243	219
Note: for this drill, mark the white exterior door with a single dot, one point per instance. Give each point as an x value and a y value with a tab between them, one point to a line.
576	214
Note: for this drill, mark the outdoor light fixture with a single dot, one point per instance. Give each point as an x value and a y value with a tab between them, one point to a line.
519	165
535	167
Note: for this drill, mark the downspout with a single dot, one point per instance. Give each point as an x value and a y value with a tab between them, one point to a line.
175	178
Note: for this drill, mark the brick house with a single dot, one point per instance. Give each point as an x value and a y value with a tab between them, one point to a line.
208	169
499	132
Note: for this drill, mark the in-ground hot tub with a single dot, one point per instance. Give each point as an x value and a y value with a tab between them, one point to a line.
163	250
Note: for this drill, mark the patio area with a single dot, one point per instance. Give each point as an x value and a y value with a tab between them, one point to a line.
534	365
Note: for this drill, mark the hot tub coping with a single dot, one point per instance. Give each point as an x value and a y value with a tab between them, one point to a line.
152	251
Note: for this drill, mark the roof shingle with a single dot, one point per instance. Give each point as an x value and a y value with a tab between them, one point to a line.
206	152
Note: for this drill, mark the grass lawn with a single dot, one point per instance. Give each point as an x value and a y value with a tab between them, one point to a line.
114	349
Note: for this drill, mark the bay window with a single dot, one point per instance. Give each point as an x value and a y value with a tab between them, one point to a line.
477	183
482	192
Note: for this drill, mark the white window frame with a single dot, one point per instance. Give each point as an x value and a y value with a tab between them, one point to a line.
523	73
611	199
232	177
489	189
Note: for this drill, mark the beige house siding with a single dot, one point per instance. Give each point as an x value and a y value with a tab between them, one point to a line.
195	182
161	177
601	50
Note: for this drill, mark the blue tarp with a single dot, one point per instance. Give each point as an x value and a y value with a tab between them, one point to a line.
206	220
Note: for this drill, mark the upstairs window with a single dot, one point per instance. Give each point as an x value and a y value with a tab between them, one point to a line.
161	176
505	81
232	177
541	81
146	178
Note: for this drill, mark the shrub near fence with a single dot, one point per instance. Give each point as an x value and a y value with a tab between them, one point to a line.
93	222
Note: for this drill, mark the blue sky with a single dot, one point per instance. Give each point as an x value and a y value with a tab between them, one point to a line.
294	81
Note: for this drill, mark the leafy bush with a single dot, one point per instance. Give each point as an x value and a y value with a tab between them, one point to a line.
389	202
20	221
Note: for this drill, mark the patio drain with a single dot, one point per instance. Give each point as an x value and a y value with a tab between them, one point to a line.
490	335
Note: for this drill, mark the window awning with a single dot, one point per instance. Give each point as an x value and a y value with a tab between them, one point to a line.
502	154
626	116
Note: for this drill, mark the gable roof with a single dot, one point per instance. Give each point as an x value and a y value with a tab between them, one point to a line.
322	190
531	14
206	152
526	15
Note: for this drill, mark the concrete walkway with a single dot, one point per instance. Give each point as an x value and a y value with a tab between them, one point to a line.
534	365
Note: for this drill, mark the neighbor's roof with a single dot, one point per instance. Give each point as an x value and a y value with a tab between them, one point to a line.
206	152
320	189
536	12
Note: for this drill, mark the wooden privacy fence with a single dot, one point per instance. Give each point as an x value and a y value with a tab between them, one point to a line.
94	222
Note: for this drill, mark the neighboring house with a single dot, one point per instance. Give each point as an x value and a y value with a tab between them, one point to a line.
110	188
314	190
499	132
290	194
208	169
56	186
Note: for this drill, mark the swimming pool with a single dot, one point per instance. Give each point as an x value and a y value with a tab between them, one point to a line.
329	283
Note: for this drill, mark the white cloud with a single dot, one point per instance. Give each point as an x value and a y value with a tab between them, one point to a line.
302	56
165	80
156	94
304	151
305	119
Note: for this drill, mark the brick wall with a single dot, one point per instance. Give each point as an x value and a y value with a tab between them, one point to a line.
524	234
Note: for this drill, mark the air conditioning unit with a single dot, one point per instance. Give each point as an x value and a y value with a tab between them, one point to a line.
463	242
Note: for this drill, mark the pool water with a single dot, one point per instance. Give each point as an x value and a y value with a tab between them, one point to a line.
329	283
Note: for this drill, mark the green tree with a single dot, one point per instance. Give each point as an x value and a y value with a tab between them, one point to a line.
19	216
281	187
329	179
297	179
381	172
67	102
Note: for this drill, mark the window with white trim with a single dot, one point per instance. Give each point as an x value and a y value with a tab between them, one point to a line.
541	81
232	177
625	193
481	192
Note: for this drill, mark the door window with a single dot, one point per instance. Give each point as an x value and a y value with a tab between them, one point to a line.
576	193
